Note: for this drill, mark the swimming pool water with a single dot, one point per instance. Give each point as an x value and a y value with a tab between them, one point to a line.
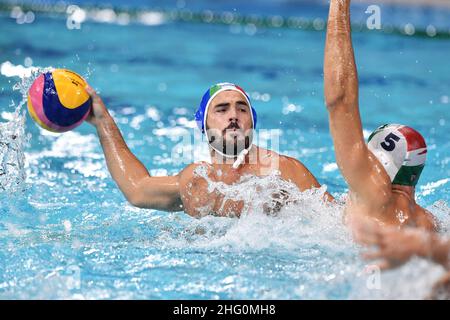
71	234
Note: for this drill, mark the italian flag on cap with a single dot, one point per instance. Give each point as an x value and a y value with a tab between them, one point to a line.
402	152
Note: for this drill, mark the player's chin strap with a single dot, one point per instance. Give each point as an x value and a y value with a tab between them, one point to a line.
239	158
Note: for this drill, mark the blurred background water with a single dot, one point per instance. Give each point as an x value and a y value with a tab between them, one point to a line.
67	231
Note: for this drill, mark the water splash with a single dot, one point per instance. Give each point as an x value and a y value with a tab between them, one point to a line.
267	194
12	158
308	231
302	252
13	136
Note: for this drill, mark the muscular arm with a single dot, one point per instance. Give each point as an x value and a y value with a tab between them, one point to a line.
356	162
132	178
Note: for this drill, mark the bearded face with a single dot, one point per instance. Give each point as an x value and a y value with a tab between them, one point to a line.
229	123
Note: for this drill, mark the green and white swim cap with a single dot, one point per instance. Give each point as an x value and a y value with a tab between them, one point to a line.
401	150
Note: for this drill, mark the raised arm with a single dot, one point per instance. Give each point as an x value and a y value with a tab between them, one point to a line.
356	162
132	178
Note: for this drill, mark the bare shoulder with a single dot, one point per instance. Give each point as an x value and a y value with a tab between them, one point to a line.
283	162
189	172
292	165
194	189
425	219
192	178
294	170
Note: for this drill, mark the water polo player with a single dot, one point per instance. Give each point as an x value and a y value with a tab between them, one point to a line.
382	174
227	118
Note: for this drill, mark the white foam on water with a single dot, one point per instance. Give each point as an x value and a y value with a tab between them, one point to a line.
430	187
10	70
12	140
13	136
441	211
414	280
308	230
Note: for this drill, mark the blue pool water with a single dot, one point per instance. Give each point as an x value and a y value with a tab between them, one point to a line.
71	234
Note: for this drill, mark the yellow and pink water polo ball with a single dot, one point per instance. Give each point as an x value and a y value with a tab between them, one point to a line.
58	101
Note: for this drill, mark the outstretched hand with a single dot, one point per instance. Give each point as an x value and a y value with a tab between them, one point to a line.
394	247
98	110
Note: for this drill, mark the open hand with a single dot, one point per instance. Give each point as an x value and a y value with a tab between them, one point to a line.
394	247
